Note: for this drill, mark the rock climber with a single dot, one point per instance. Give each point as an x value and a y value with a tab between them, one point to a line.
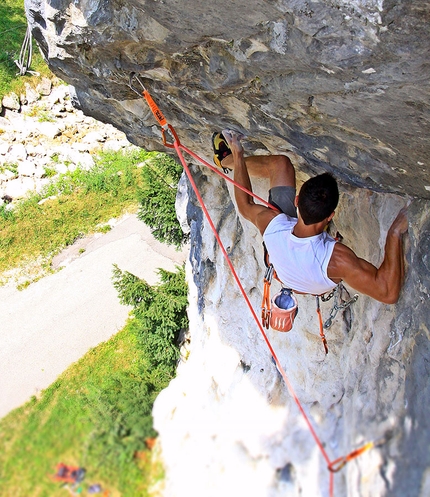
306	258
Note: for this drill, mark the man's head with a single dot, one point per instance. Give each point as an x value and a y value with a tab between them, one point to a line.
318	198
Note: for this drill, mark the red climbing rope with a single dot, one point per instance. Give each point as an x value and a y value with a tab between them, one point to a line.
332	466
320	320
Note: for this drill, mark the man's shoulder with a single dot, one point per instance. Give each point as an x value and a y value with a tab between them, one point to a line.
341	260
342	253
282	220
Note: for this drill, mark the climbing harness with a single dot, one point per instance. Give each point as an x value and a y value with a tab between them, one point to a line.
25	56
332	466
284	318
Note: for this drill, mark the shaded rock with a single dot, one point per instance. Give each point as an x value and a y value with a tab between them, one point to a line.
114	145
31	95
94	136
16	153
4	147
26	168
18	188
6	175
50	130
342	85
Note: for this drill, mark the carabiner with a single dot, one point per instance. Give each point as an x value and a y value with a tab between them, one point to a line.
134	76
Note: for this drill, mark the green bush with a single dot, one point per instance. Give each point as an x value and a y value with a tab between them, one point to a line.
157	200
120	413
160	315
121	409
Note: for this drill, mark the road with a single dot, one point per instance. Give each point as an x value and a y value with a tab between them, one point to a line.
56	320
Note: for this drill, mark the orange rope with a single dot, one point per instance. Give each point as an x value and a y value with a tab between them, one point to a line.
337	464
320	319
340	462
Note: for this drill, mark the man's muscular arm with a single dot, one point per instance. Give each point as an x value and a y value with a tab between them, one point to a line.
259	215
383	284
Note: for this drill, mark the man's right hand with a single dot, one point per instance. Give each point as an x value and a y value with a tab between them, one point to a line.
233	139
400	224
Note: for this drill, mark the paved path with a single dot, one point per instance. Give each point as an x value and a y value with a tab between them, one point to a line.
55	321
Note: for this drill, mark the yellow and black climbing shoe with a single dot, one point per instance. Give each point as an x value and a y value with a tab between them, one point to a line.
221	150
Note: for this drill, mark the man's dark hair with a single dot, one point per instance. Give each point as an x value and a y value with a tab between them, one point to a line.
318	198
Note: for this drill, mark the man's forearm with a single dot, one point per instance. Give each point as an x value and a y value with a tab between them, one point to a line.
241	176
392	268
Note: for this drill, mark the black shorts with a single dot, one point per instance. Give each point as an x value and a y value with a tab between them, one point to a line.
282	197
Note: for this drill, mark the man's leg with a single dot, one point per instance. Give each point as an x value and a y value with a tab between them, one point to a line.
277	168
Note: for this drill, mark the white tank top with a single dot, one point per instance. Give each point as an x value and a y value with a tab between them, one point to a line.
300	263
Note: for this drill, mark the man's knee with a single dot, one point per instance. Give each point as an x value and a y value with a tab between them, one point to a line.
282	161
282	171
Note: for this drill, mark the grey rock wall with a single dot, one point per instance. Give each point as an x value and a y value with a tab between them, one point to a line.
343	84
339	86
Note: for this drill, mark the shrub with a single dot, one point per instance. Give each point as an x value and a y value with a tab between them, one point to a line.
157	200
120	409
160	315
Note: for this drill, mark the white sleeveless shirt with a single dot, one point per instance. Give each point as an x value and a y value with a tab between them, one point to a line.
300	263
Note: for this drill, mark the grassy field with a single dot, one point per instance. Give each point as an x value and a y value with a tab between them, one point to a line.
80	202
97	414
60	427
13	26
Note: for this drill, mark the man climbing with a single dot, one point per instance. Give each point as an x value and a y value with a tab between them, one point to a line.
305	257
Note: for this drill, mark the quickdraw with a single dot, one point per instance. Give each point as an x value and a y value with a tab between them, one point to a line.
339	463
159	116
322	335
338	304
336	293
265	304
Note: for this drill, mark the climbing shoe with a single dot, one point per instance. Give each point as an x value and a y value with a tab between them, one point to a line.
221	150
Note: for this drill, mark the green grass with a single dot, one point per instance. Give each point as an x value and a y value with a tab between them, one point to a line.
84	200
97	414
13	26
64	426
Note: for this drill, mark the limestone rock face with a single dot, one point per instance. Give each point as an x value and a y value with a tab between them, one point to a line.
227	423
337	85
342	84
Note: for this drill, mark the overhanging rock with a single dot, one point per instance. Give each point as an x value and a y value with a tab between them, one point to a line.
344	85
